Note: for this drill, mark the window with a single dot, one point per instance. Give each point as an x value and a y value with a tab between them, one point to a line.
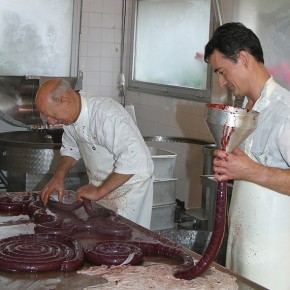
167	48
39	37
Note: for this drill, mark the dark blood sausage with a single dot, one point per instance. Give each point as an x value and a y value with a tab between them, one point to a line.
56	227
96	212
64	206
110	226
116	252
15	203
39	253
210	253
50	223
161	249
113	253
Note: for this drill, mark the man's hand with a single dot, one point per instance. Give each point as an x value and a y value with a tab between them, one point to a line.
230	166
111	183
89	191
55	185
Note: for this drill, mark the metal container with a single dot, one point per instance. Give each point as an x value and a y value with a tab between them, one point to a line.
208	157
17	106
196	241
163	217
164	163
31	157
164	189
164	192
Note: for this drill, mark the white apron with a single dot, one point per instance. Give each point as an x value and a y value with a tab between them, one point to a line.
134	199
259	236
259	232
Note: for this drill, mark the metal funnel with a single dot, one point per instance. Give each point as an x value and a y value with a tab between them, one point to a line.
230	126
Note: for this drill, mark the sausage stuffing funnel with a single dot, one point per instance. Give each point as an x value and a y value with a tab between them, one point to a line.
229	127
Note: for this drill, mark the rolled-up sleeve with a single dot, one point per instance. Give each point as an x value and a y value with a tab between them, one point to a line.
283	141
69	146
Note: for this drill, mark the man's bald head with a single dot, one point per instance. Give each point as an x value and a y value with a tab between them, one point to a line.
58	102
52	89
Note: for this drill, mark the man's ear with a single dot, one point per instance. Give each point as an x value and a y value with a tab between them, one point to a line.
244	57
65	100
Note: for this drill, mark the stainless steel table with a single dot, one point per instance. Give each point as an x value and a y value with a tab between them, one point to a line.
11	225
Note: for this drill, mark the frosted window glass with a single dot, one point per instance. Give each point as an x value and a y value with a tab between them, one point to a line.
36	37
170	40
270	20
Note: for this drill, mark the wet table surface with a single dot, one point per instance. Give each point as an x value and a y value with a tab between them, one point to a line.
13	224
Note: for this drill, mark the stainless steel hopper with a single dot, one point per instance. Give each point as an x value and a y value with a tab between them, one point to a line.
230	126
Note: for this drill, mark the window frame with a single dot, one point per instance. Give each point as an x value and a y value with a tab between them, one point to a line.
75	44
200	95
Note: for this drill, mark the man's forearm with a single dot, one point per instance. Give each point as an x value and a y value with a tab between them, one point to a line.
64	166
273	178
239	166
113	181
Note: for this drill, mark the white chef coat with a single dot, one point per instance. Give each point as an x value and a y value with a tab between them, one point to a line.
259	219
107	139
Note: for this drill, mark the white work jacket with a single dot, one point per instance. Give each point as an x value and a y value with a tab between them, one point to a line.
259	218
107	139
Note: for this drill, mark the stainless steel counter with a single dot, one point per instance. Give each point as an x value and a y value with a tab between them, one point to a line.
11	225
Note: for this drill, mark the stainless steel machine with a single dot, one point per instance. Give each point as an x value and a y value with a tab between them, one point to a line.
17	93
29	156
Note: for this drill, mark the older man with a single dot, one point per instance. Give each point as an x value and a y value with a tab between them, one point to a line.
101	132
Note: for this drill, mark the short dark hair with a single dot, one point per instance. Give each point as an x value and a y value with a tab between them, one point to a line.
232	38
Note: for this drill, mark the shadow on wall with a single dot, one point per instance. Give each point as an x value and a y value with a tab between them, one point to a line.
190	121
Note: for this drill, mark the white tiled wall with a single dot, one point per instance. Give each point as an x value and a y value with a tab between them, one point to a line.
100	45
156	115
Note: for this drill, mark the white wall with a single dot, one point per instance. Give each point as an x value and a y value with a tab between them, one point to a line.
100	45
163	116
156	115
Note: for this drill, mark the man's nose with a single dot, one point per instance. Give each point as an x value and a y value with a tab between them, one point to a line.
51	121
222	81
